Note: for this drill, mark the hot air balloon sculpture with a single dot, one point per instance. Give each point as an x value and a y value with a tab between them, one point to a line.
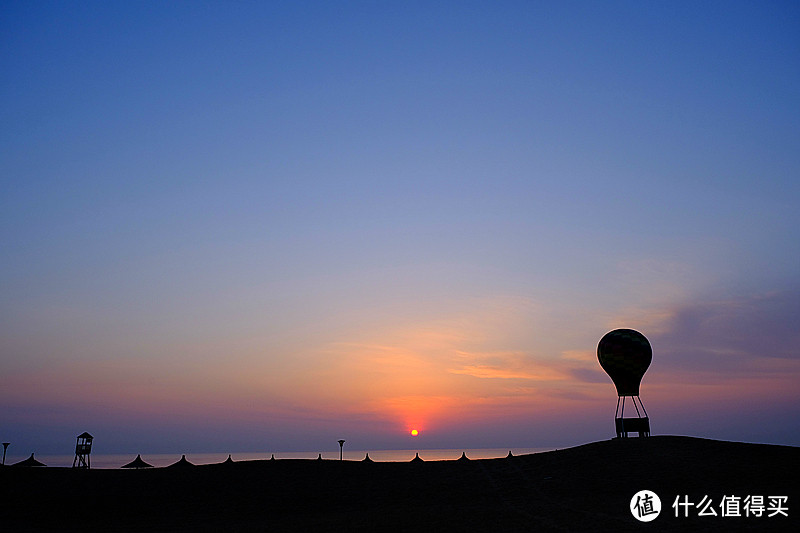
625	355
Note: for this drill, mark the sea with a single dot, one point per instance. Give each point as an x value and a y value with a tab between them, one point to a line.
111	461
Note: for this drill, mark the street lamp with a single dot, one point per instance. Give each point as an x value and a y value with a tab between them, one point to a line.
341	449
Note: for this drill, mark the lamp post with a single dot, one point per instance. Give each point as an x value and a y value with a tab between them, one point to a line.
5	446
341	449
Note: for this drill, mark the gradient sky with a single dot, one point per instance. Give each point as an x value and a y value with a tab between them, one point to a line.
244	226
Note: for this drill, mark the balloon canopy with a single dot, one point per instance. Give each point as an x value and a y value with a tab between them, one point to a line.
625	355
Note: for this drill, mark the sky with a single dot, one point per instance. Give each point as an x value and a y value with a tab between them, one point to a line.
245	226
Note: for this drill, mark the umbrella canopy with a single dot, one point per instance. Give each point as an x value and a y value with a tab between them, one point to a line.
137	463
30	461
182	463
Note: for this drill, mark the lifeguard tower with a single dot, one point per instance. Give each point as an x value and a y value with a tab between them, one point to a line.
83	448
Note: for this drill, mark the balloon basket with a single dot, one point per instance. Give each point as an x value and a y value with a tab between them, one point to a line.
639	424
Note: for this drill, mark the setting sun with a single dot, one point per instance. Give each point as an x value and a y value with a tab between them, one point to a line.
414	432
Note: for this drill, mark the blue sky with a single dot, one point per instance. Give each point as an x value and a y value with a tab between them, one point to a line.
241	214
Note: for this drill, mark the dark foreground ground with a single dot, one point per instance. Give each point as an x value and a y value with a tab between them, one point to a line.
586	488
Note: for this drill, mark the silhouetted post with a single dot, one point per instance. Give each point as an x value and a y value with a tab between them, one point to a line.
82	450
5	447
341	449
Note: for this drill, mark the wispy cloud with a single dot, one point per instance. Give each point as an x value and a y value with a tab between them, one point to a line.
503	365
755	326
749	342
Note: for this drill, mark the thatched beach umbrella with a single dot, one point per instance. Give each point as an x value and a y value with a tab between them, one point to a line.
181	464
30	461
137	463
